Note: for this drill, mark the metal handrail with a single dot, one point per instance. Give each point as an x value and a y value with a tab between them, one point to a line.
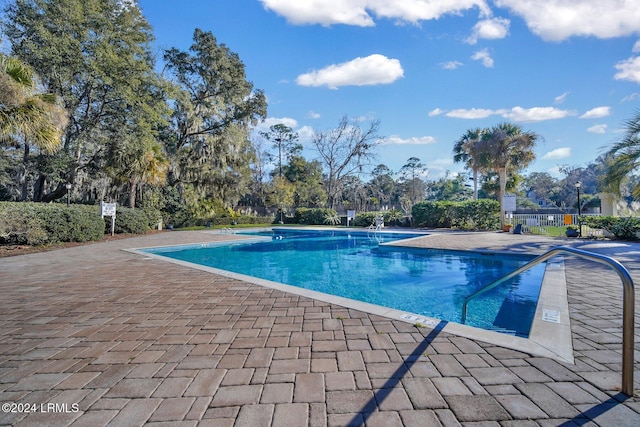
628	302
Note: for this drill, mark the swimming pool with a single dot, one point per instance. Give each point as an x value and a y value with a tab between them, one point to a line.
359	266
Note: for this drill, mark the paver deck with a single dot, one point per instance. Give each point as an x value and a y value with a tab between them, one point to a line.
94	335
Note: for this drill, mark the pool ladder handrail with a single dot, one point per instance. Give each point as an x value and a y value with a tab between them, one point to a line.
374	229
628	302
227	230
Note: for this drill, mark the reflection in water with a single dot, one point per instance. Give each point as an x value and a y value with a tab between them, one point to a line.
427	282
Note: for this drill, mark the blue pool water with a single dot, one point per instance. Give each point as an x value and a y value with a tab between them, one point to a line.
354	265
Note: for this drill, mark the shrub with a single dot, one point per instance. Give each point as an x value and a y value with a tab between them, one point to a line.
365	219
19	229
391	217
625	228
226	221
38	223
332	219
430	214
483	214
129	220
313	216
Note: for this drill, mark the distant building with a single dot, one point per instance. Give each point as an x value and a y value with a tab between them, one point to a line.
531	195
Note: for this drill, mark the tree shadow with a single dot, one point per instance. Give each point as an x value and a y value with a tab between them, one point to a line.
592	413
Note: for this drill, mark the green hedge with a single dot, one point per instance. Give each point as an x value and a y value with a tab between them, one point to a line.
392	217
313	216
135	221
626	228
46	223
483	214
223	220
39	224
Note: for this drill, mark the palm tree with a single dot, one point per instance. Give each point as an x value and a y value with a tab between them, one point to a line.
623	159
466	150
506	148
134	161
25	115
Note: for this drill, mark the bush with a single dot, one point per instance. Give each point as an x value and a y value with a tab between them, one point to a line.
224	220
313	216
431	214
38	223
365	219
626	228
129	220
483	214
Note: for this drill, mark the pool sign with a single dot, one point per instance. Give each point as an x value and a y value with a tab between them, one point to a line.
109	209
351	214
509	203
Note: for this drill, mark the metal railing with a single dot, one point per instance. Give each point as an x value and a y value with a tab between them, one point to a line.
628	302
548	224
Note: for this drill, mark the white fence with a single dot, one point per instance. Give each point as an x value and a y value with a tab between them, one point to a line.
550	224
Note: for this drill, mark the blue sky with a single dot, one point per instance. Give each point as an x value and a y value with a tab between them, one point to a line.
428	70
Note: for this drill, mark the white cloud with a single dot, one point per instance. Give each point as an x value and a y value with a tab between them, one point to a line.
372	70
484	56
473	113
561	98
556	20
451	65
596	113
636	47
494	28
422	140
518	114
313	115
435	112
629	69
361	12
558	153
536	114
264	125
631	97
305	134
597	129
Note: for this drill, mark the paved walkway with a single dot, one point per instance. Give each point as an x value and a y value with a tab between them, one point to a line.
94	335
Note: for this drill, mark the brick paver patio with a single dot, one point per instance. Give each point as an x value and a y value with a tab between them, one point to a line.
94	335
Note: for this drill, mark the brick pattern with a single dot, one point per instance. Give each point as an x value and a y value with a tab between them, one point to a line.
137	341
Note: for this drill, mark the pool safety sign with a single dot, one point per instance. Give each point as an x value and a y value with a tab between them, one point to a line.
351	214
552	316
509	202
109	209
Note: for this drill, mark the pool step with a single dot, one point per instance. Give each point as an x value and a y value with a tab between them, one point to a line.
515	315
504	331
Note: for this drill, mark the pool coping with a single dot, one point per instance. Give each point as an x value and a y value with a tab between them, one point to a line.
550	334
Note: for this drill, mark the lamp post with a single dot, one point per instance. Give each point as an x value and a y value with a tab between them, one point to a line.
68	187
578	184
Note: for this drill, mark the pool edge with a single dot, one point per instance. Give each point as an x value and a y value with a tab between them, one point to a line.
547	339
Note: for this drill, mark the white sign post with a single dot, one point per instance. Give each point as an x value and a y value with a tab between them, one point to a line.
109	209
351	214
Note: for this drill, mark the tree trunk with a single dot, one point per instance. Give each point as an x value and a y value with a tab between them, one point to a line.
24	174
475	184
38	189
132	193
502	172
